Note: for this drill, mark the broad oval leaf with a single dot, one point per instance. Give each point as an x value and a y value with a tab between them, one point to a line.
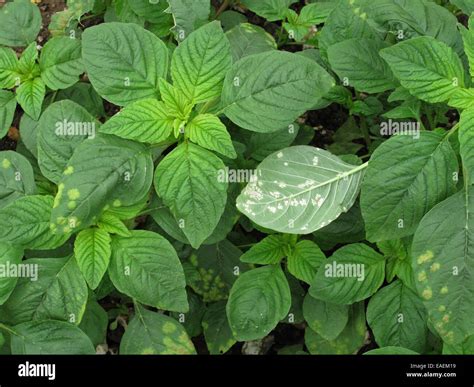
300	189
443	251
62	127
268	91
217	332
304	260
406	177
124	61
49	337
353	273
30	95
54	289
146	267
247	39
259	299
7	110
151	333
271	10
397	317
10	257
187	181
104	172
20	22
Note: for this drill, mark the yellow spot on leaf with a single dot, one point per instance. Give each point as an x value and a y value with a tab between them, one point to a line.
117	203
169	328
426	257
422	276
6	163
435	267
73	194
444	290
441	308
446	318
72	205
427	293
69	171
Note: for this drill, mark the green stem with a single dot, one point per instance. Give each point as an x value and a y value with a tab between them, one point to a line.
8	329
222	8
453	130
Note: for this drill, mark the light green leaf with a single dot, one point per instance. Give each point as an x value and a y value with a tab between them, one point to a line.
397	317
353	273
151	333
7	111
61	62
358	61
217	332
271	10
104	172
16	177
20	22
124	62
62	127
30	95
406	177
113	225
443	254
348	342
147	268
208	131
199	64
147	121
27	64
177	104
188	15
9	75
187	181
269	91
326	319
10	257
26	222
54	290
305	260
300	189
151	11
270	250
92	252
259	299
247	39
95	323
466	140
428	68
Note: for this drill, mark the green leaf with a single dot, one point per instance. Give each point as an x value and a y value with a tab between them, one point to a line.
270	250
104	172
30	95
62	127
466	140
271	10
247	39
442	253
216	267
187	181
10	257
353	273
124	62
85	95
177	104
9	75
259	299
348	342
61	62
20	22
191	320
16	177
95	323
209	132
199	64
188	15
7	111
147	121
55	290
26	222
428	68
151	11
262	145
49	337
398	259
326	319
147	268
27	64
269	91
468	40
113	225
92	251
151	333
406	177
300	189
217	332
304	260
358	61
397	317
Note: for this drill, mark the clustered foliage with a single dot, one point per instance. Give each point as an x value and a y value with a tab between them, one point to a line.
167	185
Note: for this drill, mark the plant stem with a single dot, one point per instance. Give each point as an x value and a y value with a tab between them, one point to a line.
7	329
222	8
